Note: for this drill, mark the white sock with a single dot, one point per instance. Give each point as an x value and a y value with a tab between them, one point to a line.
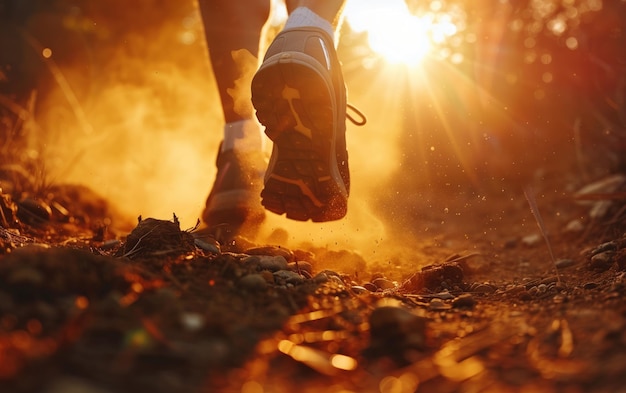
243	135
302	16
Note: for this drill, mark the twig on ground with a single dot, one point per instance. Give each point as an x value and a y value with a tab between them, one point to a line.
532	202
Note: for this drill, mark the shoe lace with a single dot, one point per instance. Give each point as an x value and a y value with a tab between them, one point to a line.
360	114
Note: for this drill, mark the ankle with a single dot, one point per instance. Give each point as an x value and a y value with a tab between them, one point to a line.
243	135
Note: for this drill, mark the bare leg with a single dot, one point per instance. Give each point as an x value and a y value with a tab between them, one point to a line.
232	25
234	31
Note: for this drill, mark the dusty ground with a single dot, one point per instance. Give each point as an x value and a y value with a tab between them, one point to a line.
477	307
468	298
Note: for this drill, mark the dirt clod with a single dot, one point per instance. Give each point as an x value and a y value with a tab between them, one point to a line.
435	278
152	236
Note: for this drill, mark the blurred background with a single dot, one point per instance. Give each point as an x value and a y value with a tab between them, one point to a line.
461	97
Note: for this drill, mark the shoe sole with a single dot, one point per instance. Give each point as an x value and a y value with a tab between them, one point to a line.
234	209
296	103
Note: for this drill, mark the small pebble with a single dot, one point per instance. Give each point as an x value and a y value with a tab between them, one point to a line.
602	261
320	278
590	285
336	279
483	288
565	263
465	300
515	289
383	283
253	282
206	246
531	240
271	251
288	277
608	246
549	280
251	262
33	211
525	295
268	276
359	289
443	295
437	305
273	263
370	287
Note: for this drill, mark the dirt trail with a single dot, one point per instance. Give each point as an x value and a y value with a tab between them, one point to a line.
166	310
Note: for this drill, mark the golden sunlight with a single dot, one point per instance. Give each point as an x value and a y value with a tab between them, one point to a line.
395	33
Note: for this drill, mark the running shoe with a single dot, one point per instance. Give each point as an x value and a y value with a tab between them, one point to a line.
234	203
300	97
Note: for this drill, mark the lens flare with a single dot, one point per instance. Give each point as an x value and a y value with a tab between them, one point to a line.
395	33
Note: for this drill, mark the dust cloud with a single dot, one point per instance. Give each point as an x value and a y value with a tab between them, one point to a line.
151	125
153	128
247	65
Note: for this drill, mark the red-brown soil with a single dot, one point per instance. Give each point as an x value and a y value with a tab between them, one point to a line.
164	310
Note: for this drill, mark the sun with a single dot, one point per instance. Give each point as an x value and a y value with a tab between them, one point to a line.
395	33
